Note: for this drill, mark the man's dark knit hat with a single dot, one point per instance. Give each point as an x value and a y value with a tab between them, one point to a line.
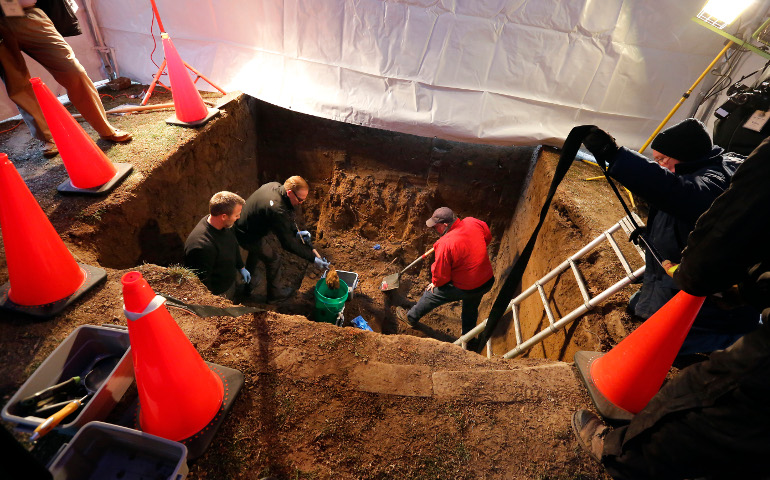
686	141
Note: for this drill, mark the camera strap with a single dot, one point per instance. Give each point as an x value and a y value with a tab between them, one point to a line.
516	273
638	234
208	310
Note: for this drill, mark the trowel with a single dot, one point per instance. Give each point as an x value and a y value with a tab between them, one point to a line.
391	281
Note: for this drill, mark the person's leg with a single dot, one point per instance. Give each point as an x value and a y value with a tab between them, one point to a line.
710	420
471	300
230	292
470	312
273	268
38	38
726	440
430	300
632	301
16	79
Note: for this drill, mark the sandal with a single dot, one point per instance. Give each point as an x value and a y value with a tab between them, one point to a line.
49	149
119	136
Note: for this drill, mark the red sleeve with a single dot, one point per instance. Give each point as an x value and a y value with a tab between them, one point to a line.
442	267
487	233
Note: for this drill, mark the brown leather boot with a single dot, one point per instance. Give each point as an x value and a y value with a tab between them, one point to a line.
590	433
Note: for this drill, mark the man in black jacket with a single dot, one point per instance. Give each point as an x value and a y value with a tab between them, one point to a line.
212	250
268	210
690	173
712	419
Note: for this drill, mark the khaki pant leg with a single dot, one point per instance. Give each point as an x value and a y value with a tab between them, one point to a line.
16	79
37	37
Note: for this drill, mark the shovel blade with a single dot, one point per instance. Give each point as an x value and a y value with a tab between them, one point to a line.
390	282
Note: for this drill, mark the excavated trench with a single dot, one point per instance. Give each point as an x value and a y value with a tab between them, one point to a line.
371	191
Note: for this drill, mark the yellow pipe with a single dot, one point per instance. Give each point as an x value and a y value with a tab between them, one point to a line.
685	97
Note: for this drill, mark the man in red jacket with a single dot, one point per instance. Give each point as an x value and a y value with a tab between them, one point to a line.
462	270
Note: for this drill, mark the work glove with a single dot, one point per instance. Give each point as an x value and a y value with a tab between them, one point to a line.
304	235
321	263
602	146
246	275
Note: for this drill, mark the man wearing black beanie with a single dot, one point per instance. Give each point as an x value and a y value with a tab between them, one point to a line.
687	174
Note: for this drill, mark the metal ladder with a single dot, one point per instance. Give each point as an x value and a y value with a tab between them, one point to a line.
555	325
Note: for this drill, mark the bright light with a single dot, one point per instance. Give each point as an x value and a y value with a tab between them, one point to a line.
721	13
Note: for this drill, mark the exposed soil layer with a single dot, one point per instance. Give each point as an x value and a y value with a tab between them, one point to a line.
322	401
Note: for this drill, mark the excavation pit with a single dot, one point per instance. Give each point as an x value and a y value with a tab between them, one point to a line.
371	191
315	392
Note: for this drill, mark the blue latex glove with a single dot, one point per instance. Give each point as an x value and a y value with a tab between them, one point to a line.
304	235
246	275
321	263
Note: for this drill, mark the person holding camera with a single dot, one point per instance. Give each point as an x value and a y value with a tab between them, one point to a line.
688	172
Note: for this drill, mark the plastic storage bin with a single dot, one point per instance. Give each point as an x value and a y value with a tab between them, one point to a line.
102	451
73	357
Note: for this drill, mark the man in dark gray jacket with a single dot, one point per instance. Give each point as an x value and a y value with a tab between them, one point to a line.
687	174
270	210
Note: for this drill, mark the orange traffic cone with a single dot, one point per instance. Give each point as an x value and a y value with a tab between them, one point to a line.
623	381
89	169
181	397
188	104
43	276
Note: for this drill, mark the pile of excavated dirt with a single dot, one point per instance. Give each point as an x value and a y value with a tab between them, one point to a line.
322	401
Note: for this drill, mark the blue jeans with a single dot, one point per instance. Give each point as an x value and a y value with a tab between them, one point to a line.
449	293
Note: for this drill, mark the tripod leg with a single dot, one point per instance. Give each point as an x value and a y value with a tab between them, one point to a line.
204	78
154	81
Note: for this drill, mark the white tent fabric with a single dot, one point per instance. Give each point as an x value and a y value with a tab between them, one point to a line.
488	71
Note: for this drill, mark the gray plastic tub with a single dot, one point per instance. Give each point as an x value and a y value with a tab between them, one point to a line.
73	357
102	451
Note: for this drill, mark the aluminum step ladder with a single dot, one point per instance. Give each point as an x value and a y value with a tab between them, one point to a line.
554	325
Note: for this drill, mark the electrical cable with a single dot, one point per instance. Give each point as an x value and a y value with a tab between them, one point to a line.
154	43
720	84
710	94
13	127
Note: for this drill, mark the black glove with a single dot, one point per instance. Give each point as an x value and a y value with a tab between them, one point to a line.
755	290
601	145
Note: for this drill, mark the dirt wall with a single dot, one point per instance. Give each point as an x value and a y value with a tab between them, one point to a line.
166	203
379	183
581	211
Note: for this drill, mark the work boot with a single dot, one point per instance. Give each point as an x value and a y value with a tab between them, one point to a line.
590	433
278	294
401	314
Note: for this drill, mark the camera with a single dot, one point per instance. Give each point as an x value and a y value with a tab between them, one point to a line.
756	98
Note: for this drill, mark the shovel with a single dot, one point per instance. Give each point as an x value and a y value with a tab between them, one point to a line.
391	281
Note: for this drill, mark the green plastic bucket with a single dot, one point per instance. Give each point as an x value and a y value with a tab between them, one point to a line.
329	303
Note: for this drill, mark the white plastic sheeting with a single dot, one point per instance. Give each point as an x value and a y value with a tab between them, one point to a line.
492	71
